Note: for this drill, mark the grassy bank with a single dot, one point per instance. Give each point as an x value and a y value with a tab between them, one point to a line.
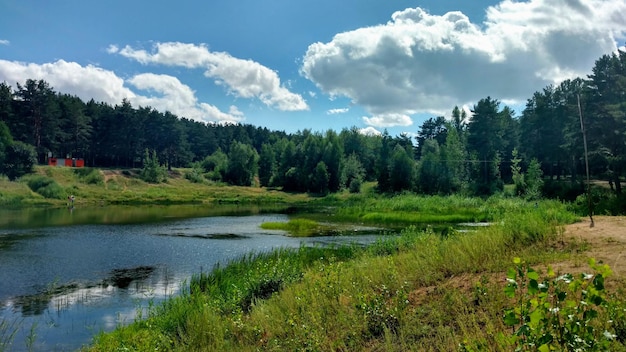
50	186
418	291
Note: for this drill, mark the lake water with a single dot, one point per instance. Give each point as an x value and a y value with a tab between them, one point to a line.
67	274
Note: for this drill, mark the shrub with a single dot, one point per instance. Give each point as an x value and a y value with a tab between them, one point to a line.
89	175
195	175
152	171
46	186
564	313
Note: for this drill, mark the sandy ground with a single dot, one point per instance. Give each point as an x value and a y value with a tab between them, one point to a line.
605	241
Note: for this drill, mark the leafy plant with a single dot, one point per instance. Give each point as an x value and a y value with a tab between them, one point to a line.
152	171
565	312
46	186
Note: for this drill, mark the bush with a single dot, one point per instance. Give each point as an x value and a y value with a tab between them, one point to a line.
89	175
152	171
564	313
46	186
19	161
195	175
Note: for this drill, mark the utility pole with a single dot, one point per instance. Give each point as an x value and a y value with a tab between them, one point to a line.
582	129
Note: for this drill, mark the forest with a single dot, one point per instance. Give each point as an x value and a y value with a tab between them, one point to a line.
541	152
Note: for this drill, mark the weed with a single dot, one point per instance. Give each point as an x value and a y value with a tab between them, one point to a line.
565	312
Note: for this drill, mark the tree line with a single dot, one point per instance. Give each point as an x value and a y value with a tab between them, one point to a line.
474	154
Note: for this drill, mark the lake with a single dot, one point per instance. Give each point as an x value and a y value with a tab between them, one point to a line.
67	274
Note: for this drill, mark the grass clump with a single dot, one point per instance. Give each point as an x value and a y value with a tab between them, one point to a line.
46	186
89	176
296	227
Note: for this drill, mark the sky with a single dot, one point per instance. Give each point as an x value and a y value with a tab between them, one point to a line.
293	65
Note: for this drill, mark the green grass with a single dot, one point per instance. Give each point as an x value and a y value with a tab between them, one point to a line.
297	227
90	186
415	292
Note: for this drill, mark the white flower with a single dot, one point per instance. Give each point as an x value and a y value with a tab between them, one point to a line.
608	335
588	276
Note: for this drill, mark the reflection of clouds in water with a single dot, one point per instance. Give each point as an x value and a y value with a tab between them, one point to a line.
110	321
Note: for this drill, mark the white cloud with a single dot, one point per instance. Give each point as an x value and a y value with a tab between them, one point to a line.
4	42
337	111
172	95
243	78
370	131
388	120
418	62
87	82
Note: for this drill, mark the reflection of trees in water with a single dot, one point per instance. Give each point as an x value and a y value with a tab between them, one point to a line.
123	277
36	304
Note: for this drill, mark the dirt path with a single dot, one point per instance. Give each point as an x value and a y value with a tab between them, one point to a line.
606	241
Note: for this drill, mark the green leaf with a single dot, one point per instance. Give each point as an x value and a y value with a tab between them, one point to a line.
510	318
533	287
544	348
598	282
517	260
532	274
511	274
535	317
509	290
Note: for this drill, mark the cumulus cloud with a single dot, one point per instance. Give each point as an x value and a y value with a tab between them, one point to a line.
419	62
388	120
166	93
4	42
172	95
86	82
242	78
370	131
337	111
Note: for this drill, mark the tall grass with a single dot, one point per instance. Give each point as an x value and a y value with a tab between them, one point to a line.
417	291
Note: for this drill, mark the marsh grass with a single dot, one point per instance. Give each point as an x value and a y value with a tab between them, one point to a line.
418	291
297	227
8	329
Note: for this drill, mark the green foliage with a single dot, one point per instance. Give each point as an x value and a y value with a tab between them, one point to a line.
20	160
320	179
152	170
195	175
517	175
534	180
89	175
295	227
243	165
402	170
565	312
352	174
46	186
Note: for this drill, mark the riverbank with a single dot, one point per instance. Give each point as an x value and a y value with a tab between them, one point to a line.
51	186
419	291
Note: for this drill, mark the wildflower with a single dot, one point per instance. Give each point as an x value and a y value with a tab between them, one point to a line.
609	336
588	276
554	310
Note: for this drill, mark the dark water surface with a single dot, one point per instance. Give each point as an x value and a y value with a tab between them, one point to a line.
66	275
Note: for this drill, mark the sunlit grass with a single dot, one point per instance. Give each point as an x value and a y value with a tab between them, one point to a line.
417	291
98	187
296	227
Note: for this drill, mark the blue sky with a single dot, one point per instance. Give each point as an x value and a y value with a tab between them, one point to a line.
292	65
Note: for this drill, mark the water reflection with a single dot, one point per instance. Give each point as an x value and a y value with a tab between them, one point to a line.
123	214
71	282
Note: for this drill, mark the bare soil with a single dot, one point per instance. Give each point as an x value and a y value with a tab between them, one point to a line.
605	242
